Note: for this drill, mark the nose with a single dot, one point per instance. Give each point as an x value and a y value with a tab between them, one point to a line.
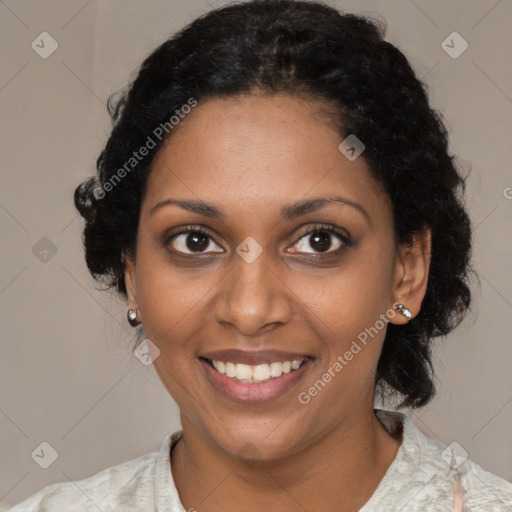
253	297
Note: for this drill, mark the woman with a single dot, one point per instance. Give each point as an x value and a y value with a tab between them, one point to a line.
277	204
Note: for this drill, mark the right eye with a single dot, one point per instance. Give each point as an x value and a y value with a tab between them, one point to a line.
193	239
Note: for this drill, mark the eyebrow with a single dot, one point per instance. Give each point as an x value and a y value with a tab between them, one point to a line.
289	211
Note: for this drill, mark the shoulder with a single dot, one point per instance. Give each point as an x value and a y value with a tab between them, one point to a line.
483	490
115	488
480	489
430	475
451	474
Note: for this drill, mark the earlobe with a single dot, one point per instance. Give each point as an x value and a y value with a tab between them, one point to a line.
130	281
412	271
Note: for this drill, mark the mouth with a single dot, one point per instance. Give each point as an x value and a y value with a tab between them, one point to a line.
255	373
255	383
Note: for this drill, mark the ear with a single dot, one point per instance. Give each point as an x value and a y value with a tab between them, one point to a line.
130	279
411	274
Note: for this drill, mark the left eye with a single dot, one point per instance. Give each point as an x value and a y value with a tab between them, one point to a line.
320	239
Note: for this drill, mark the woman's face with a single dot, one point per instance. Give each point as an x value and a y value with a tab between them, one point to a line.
261	279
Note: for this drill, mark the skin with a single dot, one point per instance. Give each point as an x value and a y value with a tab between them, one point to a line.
249	156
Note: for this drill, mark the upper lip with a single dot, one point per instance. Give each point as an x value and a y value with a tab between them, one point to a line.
253	357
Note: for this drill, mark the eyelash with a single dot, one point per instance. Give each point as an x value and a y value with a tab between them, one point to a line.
317	228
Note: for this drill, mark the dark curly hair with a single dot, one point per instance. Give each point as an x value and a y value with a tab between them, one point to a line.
312	50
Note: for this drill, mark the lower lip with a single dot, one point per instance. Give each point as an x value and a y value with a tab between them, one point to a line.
254	393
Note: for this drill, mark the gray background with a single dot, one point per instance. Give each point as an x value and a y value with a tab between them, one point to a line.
67	373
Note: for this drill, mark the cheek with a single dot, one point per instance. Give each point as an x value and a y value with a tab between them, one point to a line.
347	299
169	300
347	312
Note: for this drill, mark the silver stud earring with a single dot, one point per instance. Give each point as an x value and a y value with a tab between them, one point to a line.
132	317
402	309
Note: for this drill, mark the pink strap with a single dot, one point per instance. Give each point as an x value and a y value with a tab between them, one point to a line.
458	500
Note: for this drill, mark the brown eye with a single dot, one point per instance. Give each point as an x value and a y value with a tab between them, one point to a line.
191	241
320	239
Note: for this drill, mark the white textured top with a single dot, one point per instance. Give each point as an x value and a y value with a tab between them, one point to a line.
425	475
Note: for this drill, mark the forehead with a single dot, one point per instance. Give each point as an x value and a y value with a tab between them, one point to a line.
260	152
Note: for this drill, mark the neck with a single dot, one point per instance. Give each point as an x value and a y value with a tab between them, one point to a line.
344	466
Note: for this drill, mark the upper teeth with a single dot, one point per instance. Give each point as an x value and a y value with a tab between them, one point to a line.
256	373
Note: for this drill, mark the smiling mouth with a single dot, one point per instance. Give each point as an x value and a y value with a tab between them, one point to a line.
257	373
